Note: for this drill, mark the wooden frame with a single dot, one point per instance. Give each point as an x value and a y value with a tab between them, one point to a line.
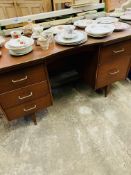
52	14
110	5
56	2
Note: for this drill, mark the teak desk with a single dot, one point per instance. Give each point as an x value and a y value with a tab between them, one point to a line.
24	82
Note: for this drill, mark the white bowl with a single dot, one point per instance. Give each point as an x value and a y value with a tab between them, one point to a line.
21	52
14	44
100	29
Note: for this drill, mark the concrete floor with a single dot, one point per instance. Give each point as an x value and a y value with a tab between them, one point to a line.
84	133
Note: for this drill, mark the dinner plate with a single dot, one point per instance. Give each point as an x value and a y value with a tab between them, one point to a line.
83	23
126	17
106	20
119	26
80	36
100	29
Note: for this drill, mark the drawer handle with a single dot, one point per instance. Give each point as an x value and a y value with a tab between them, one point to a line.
26	110
21	98
22	79
119	51
114	73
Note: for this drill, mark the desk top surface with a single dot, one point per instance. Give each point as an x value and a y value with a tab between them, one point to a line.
7	61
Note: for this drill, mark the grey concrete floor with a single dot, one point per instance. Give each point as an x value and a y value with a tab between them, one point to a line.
83	133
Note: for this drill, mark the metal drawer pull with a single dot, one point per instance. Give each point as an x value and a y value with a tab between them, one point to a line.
113	73
16	81
21	98
26	110
119	51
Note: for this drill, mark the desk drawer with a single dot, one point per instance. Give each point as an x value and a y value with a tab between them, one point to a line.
22	77
112	71
21	95
28	107
114	51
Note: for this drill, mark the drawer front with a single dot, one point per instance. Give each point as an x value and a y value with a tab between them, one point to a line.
28	108
112	72
21	95
22	77
109	53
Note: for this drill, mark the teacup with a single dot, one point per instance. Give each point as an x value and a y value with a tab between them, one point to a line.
15	34
69	30
69	33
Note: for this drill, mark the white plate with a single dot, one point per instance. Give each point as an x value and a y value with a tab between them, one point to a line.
126	17
106	20
14	44
26	51
100	29
80	37
99	36
119	26
60	28
116	14
74	44
83	23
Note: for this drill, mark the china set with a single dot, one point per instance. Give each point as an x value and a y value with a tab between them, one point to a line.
102	26
65	34
19	45
70	36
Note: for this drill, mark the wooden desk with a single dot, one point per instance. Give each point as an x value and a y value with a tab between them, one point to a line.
25	86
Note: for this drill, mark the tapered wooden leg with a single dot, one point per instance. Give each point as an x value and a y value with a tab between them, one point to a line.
34	119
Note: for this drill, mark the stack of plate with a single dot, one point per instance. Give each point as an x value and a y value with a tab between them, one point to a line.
83	23
76	38
20	46
99	30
